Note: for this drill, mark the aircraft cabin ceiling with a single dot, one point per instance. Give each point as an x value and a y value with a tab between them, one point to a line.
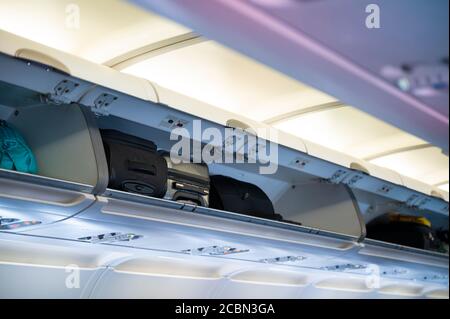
132	40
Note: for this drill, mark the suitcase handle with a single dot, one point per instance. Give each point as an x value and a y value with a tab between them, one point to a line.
180	196
141	167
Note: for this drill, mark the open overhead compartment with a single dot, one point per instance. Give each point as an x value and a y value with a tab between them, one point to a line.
332	195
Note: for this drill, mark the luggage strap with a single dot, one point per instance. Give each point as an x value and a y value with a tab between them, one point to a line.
410	219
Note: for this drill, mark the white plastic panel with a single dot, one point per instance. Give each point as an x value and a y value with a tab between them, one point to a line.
146	286
382	173
417	185
33	270
430	165
78	28
330	155
78	68
123	271
358	285
271	276
265	283
349	131
241	85
335	211
35	282
438	294
30	202
162	277
407	290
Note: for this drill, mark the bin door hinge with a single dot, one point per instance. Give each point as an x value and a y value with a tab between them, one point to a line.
102	104
62	93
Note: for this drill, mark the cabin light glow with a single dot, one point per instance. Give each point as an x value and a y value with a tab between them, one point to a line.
416	164
96	37
213	74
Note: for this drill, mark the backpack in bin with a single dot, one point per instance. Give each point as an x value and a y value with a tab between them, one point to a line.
240	197
411	231
134	164
14	151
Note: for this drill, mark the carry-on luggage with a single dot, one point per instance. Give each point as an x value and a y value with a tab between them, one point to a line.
187	182
134	164
403	230
15	154
240	197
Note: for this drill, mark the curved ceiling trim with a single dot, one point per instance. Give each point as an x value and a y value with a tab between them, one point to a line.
297	113
154	49
399	150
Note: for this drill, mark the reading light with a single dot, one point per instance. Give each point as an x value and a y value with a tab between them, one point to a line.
110	238
4	221
283	259
14	223
214	251
344	267
395	272
435	277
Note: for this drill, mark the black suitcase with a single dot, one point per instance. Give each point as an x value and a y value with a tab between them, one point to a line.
240	197
410	234
134	164
187	182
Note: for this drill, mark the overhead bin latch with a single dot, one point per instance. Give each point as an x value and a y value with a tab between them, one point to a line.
299	163
337	177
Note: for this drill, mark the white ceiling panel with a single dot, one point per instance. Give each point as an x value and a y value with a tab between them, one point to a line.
105	28
350	131
423	165
221	77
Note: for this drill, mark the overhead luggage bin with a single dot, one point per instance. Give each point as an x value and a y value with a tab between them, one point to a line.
115	263
187	104
174	100
110	203
38	268
174	277
69	171
369	190
214	114
28	201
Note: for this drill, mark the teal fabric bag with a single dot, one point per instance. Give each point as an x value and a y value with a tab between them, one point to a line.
14	151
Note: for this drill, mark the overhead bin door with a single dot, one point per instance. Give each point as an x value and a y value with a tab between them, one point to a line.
160	277
70	169
42	268
27	201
